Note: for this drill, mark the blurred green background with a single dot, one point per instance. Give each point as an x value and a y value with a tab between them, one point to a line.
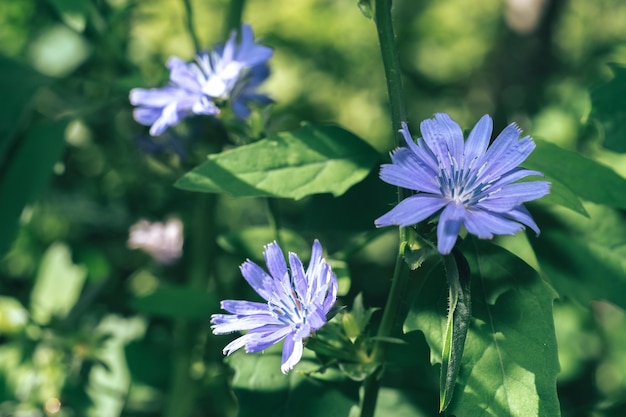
89	327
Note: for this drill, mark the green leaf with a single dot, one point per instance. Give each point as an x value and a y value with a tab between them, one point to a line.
586	178
58	285
510	362
585	259
249	242
25	175
16	97
310	160
459	318
609	108
178	302
263	391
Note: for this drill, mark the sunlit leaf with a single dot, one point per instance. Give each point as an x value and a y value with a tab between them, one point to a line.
310	160
609	108
58	284
510	363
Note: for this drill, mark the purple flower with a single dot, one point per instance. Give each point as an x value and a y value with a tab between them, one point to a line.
297	302
230	72
469	183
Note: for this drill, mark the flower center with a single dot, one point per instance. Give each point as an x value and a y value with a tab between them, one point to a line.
461	183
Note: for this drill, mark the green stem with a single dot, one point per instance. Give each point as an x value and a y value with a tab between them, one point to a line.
274	219
391	64
397	292
189	24
390	314
233	17
189	334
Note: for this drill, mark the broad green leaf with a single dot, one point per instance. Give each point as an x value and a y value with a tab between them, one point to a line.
58	284
586	259
561	195
178	302
263	391
609	108
25	175
310	160
459	319
586	178
249	242
510	362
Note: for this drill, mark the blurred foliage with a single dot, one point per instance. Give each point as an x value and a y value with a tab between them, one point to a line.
91	328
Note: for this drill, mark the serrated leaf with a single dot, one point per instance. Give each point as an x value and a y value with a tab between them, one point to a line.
310	160
178	302
510	362
263	391
609	108
586	178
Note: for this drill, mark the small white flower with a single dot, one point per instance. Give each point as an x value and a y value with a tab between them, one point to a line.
162	241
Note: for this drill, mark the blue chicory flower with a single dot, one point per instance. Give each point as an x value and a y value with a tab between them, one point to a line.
297	302
469	183
230	72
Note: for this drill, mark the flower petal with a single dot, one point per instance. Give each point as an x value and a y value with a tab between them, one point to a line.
292	353
264	337
449	226
513	195
478	140
521	214
412	210
243	307
257	278
229	323
485	224
275	261
407	171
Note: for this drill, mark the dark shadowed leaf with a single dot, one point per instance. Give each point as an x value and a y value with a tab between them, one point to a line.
263	391
609	108
178	302
586	178
25	175
586	259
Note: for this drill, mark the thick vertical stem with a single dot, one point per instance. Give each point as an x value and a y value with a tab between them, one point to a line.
386	37
189	24
189	333
233	17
